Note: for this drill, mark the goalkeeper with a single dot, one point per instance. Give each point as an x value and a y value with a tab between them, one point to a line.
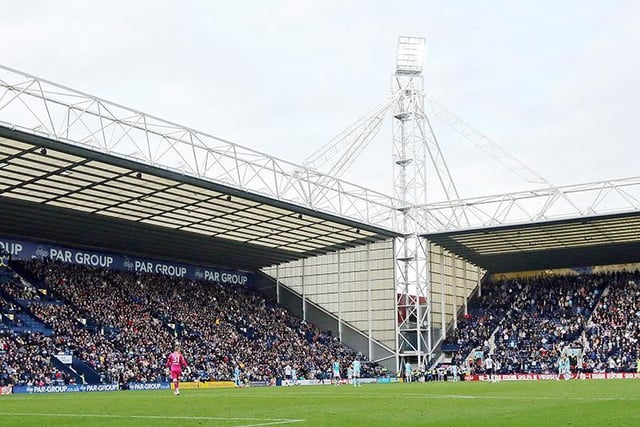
175	362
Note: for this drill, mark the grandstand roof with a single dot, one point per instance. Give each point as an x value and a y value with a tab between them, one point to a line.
51	190
578	242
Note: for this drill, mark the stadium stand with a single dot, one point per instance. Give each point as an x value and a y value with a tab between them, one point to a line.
122	325
25	358
610	339
527	323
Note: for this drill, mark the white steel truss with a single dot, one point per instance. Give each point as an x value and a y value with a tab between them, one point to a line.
485	144
43	108
336	156
589	199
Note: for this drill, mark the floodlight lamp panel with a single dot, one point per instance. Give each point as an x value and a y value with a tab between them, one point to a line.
410	55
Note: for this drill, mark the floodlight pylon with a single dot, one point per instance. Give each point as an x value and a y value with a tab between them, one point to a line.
414	146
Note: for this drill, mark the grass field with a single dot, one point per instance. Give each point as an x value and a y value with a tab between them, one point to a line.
540	403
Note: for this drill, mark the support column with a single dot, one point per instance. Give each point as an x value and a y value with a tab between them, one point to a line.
395	309
427	251
443	333
454	272
304	298
278	284
466	288
369	303
340	296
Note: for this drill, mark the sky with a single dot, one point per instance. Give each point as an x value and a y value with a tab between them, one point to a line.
555	83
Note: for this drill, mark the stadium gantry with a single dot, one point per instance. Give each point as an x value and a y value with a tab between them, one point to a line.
387	273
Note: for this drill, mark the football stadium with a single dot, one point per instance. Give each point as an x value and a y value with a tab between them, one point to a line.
152	274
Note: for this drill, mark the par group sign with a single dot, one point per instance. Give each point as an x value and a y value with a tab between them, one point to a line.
24	249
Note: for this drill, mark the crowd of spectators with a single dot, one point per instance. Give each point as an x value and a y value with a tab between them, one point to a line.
483	317
548	315
24	356
20	290
9	312
526	323
611	337
124	324
25	359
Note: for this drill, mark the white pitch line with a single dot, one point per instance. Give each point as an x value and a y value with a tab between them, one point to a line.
272	423
426	395
263	421
462	396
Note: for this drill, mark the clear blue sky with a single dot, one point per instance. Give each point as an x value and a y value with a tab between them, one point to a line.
555	83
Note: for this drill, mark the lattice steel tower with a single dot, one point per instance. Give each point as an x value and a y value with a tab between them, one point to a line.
414	144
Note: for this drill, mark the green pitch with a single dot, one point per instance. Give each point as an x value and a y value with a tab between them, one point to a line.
542	403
